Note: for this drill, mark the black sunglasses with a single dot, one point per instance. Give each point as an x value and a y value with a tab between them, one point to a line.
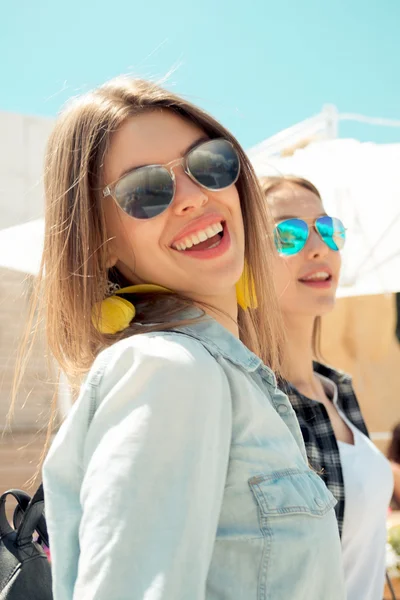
146	192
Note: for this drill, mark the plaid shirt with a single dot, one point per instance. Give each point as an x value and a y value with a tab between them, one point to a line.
319	438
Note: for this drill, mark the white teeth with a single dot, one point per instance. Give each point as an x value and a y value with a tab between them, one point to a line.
210	232
320	276
200	236
218	228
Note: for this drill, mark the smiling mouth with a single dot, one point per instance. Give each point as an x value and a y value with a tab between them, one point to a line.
316	277
319	279
204	239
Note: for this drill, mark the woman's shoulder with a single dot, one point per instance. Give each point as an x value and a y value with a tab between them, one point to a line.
346	396
332	373
167	344
150	366
155	351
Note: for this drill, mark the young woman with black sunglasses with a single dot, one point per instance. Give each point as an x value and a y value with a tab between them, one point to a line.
181	470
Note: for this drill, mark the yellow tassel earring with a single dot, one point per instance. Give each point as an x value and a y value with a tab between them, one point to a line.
245	291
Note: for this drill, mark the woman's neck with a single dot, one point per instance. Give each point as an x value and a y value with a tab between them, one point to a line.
297	365
223	309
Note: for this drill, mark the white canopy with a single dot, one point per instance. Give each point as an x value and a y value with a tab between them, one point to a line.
360	184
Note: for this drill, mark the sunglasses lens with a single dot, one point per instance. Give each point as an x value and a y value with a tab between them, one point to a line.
332	231
146	192
291	236
214	164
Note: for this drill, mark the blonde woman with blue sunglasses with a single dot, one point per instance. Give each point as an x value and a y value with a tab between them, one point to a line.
306	273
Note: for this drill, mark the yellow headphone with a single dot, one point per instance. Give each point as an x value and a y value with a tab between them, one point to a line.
114	314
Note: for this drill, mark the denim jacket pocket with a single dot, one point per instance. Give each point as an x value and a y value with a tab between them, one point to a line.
297	526
291	491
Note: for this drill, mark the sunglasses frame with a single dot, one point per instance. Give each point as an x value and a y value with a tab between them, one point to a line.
109	190
310	224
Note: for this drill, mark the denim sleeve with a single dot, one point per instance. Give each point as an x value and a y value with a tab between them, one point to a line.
155	462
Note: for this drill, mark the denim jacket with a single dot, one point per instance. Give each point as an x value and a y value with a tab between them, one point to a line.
181	474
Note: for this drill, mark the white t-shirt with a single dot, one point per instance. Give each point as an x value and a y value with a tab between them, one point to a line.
368	484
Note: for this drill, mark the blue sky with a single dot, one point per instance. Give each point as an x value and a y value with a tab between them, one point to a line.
259	66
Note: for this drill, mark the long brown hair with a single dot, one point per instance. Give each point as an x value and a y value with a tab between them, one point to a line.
73	273
271	184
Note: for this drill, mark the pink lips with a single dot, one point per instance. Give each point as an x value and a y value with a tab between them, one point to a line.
209	253
321	284
318	283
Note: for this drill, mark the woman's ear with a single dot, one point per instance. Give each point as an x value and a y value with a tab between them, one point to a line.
112	258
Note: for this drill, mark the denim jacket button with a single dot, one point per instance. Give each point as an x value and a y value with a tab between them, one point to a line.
319	502
282	409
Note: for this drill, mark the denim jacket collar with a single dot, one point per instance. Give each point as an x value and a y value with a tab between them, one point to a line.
220	342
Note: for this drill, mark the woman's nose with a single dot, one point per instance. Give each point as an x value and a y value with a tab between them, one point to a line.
315	247
189	195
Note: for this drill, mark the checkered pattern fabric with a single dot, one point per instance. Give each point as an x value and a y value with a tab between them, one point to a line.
320	441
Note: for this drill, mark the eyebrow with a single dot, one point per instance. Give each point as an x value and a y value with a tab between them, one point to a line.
287	217
200	140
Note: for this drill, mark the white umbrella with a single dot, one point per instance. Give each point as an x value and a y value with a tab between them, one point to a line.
360	184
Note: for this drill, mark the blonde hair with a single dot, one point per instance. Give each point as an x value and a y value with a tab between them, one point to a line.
73	273
272	184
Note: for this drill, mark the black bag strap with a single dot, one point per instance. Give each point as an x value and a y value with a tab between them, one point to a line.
28	516
23	500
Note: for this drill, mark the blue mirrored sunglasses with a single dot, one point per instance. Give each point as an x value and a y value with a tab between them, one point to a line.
291	236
